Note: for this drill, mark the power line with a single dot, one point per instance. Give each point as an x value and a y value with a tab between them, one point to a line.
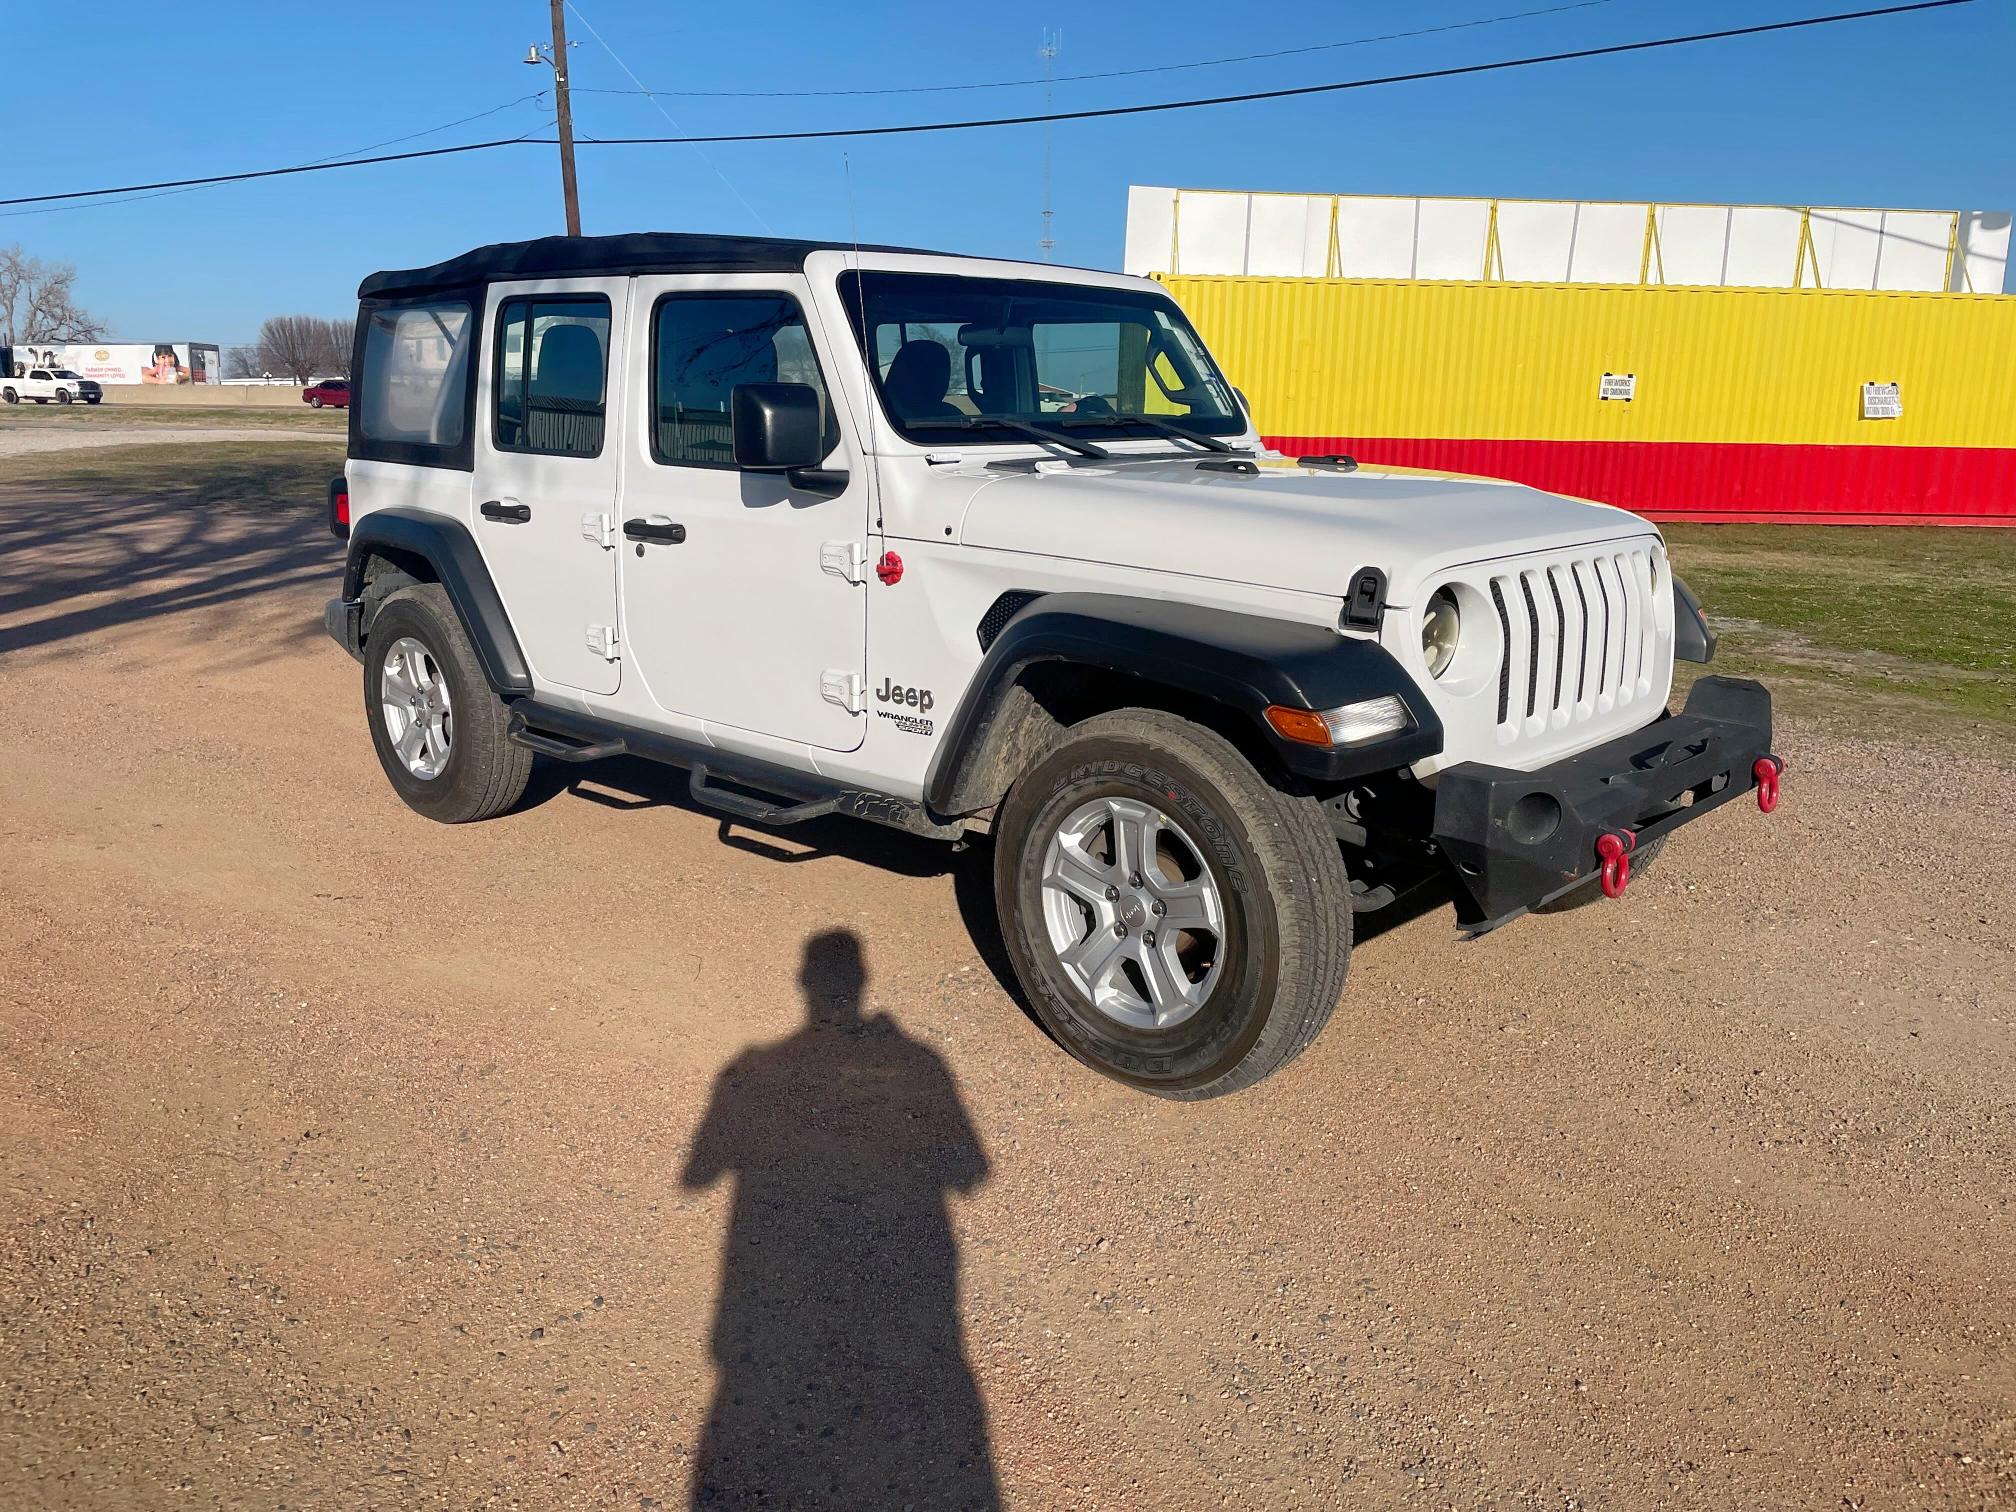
1419	76
331	160
1116	73
705	157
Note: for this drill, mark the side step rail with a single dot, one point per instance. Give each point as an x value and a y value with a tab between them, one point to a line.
750	807
559	746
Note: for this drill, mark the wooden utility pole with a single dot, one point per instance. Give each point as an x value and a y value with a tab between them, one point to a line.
566	115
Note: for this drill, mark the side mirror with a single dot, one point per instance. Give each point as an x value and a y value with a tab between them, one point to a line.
776	426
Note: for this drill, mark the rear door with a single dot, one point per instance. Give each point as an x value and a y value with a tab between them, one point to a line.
547	469
755	616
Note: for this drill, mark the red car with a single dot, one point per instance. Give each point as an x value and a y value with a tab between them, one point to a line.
331	391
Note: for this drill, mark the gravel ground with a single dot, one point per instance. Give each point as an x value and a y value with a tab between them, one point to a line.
600	1153
20	439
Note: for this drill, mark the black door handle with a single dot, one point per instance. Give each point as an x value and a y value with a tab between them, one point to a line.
510	514
644	530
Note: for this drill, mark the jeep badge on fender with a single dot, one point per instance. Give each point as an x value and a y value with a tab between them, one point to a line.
1133	655
917	698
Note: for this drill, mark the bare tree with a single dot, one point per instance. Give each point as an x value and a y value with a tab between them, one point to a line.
37	304
302	347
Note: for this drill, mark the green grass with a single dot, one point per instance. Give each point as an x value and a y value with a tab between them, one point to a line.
1902	623
250	475
280	417
1884	629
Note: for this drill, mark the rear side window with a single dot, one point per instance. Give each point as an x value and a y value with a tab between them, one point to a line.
552	366
414	382
702	345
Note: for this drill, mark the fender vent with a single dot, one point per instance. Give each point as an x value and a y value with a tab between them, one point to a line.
1002	610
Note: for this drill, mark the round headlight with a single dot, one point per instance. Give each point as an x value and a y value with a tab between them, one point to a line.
1440	627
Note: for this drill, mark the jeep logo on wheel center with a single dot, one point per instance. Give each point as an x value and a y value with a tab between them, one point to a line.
1195	753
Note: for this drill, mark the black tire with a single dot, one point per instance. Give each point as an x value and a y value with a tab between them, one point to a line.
10	396
485	772
1592	890
62	396
92	398
1279	873
315	401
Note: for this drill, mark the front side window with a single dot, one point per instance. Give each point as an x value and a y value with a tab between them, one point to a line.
414	380
552	367
702	345
992	355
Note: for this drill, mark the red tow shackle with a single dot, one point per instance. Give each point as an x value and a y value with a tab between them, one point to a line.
1766	769
1613	848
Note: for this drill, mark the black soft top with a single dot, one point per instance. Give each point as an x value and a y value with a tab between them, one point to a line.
605	256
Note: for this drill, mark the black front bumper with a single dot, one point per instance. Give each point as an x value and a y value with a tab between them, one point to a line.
1516	840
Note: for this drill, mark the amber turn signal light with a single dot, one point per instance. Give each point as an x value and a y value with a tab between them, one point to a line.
1303	725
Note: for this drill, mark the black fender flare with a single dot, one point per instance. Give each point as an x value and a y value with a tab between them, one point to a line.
1693	640
447	548
1244	662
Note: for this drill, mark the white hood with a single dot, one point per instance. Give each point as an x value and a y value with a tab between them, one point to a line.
1286	527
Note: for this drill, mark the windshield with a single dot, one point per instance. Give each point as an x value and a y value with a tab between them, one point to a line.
997	356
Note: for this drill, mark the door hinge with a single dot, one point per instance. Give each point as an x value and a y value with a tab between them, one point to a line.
599	528
602	641
847	560
846	689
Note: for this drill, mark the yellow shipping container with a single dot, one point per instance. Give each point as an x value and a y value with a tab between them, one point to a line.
1745	402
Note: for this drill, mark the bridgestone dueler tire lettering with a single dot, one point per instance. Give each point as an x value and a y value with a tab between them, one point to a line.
486	771
1279	871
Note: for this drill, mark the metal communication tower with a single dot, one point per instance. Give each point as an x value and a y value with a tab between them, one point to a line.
1053	43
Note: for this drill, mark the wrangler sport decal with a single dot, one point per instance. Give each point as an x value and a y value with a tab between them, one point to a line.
901	698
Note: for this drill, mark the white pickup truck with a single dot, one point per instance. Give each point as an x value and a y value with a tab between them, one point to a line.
43	384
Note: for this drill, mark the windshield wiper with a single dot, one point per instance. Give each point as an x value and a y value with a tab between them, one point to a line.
1209	443
1004	422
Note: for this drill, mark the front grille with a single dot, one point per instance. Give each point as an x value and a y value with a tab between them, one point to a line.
1586	641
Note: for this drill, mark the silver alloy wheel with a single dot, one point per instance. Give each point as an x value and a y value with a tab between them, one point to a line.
413	694
1133	912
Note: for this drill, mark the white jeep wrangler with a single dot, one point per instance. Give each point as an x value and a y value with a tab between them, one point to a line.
950	544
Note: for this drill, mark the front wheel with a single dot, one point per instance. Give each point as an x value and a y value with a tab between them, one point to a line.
439	729
1178	922
315	401
92	398
62	396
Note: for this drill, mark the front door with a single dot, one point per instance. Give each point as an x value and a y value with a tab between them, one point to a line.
744	602
547	467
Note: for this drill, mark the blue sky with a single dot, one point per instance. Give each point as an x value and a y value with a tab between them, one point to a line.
1913	111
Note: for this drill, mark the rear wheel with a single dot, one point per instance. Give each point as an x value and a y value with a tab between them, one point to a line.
1177	921
439	730
10	396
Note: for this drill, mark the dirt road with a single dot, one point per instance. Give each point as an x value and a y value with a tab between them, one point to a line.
351	1161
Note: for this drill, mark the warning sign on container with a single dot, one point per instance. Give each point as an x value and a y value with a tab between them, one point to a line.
1618	386
1882	401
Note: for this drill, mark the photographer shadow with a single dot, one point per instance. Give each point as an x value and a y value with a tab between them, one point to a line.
843	1379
